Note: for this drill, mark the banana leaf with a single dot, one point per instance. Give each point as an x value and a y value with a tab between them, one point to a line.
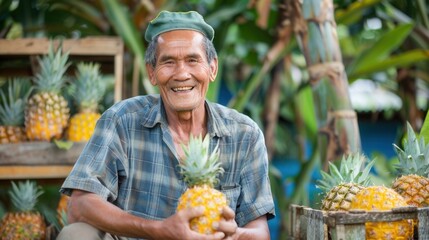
399	60
381	50
125	28
424	132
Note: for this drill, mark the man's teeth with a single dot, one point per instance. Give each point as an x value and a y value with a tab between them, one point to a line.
182	89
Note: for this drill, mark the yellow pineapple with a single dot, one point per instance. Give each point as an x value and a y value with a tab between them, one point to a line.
383	198
12	110
200	170
87	92
413	183
341	185
62	209
25	223
47	112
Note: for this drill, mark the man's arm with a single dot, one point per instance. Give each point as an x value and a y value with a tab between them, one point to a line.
256	229
90	208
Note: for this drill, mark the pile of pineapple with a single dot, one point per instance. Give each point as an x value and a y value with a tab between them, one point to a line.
349	187
38	111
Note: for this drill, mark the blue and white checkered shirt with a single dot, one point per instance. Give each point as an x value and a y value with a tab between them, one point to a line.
131	161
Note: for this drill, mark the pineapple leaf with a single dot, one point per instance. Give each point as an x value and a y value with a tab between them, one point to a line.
199	167
24	195
65	145
414	157
350	171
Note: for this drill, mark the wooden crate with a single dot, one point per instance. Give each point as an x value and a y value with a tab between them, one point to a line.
44	160
311	224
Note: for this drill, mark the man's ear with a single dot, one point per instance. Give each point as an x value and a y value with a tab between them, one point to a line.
151	73
213	70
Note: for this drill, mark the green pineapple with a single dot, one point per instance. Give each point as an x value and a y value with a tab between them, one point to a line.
25	223
12	110
341	185
200	170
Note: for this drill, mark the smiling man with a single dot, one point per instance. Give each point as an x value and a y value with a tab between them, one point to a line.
127	183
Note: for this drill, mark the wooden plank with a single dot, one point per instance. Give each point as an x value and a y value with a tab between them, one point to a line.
423	229
34	172
348	232
315	224
99	46
295	221
336	218
38	153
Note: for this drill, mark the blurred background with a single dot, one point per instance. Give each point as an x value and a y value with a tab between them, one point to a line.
321	78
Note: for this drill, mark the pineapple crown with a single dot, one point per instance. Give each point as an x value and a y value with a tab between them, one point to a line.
414	158
24	195
200	167
89	88
351	170
13	102
52	69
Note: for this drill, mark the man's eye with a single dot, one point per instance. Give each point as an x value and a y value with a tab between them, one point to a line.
193	60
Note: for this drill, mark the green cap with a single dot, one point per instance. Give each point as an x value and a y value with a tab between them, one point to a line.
169	21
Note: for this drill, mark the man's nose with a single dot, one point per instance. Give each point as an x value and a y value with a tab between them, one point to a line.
182	71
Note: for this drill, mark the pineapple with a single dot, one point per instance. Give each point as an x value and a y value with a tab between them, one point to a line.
12	110
383	198
62	210
25	223
413	167
87	92
200	170
47	112
341	185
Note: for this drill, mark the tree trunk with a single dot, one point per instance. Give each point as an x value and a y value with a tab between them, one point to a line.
315	29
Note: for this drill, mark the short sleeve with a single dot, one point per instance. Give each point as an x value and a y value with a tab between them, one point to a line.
101	164
255	199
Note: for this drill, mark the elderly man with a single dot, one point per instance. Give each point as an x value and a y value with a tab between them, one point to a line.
126	183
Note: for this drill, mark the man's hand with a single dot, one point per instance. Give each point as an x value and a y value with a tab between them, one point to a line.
177	227
228	226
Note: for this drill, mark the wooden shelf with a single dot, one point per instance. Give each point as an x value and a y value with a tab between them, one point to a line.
34	172
40	160
44	160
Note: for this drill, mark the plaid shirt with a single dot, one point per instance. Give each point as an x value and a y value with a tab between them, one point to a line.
131	161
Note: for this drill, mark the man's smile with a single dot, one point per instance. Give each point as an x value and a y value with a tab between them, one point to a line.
182	89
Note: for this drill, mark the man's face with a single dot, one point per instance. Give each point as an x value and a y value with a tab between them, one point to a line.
182	72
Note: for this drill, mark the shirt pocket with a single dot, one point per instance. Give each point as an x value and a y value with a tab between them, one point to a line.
232	193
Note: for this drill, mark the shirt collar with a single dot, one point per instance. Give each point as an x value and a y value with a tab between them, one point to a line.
156	114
